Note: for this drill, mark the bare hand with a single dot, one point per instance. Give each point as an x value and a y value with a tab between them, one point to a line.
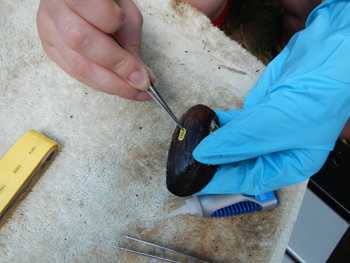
75	35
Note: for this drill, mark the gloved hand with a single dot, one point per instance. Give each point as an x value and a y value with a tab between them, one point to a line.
293	115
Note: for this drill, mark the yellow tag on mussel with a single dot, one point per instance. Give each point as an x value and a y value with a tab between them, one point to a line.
182	134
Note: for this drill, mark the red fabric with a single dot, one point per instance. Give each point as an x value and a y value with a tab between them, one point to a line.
220	20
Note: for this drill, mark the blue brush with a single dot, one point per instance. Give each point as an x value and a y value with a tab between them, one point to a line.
227	205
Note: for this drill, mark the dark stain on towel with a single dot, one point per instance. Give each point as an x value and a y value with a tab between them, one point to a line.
208	238
180	7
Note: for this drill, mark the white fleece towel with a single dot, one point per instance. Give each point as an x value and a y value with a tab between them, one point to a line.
108	179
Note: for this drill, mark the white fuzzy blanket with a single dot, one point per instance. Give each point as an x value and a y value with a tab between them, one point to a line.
108	179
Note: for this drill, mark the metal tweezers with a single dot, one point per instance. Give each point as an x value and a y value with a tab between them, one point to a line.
155	95
157	246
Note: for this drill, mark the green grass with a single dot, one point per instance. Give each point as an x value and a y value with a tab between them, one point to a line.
257	25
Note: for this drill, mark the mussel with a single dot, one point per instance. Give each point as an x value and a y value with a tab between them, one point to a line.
186	176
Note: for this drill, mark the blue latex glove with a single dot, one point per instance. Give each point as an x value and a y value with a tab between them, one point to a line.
293	115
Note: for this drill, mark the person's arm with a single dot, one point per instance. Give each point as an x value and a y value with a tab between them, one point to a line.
345	133
76	36
211	8
295	13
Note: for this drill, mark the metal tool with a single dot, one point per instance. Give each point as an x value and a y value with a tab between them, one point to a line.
155	95
157	246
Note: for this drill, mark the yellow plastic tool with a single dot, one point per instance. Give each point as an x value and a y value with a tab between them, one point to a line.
21	168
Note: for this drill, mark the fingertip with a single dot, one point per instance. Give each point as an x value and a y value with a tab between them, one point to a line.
155	82
152	76
197	153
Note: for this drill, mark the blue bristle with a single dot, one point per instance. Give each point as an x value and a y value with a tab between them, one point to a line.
245	210
249	207
240	208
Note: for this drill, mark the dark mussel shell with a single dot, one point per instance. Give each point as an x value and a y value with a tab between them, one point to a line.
186	176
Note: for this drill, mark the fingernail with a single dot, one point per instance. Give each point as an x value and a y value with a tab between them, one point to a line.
139	80
143	96
124	16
